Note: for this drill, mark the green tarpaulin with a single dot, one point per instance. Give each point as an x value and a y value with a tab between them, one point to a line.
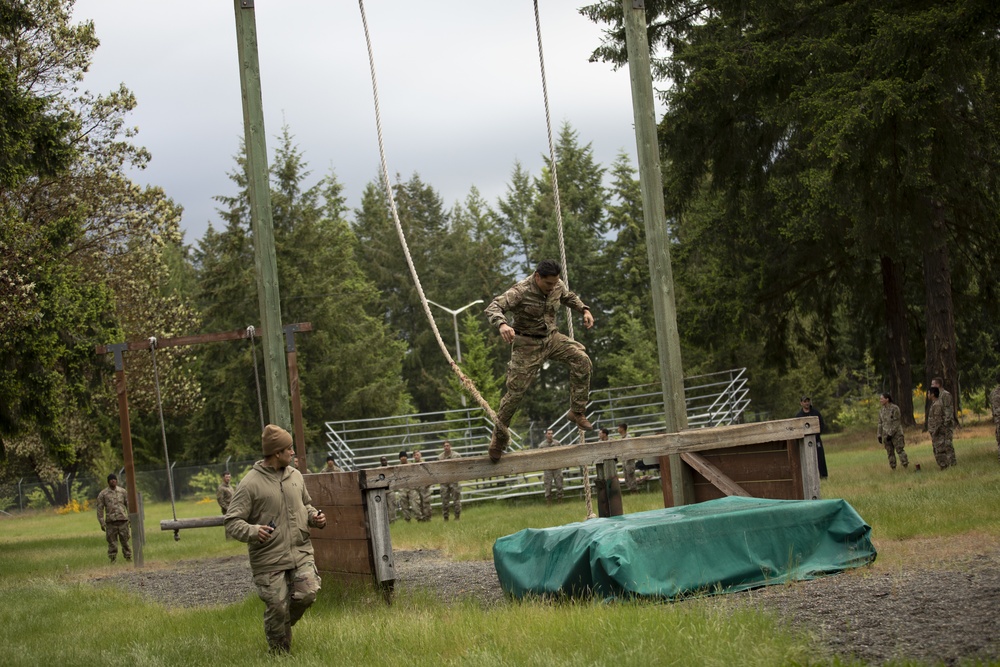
725	545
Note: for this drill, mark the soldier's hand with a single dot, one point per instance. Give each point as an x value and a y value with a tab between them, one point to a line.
319	520
103	529
507	333
588	319
264	533
880	440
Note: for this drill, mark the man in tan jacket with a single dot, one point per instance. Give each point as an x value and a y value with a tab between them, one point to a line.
272	512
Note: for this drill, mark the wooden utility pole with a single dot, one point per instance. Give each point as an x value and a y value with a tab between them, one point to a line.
657	239
275	371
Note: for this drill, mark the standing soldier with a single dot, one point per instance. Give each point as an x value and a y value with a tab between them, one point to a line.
224	494
534	338
407	499
112	514
272	512
451	494
423	493
551	478
995	405
890	431
948	408
936	428
331	465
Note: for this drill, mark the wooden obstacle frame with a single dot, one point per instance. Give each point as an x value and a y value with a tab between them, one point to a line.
774	459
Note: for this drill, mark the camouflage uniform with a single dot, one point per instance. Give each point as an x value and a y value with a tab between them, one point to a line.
629	469
995	404
283	568
224	494
890	434
423	503
112	514
538	339
936	428
408	501
451	494
948	407
552	478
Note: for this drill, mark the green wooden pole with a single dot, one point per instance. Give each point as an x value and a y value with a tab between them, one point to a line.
657	239
275	371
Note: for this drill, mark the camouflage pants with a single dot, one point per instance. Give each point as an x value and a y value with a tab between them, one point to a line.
949	447
998	436
629	468
286	595
940	450
527	356
423	503
451	495
550	479
114	532
409	503
894	444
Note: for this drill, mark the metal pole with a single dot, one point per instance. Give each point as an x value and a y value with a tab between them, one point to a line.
268	295
454	318
657	238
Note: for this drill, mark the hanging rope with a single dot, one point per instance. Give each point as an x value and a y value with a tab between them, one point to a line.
163	431
586	481
552	170
467	384
256	374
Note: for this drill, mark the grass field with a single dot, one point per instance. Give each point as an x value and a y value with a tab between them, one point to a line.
53	614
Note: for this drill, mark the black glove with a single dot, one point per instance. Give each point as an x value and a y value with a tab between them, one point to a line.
103	529
880	440
888	439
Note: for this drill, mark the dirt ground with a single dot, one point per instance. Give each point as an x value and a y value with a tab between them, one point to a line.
940	607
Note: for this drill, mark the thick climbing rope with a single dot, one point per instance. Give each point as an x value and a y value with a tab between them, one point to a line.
163	430
552	170
467	384
256	374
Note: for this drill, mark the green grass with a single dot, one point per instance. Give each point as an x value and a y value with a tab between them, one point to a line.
54	614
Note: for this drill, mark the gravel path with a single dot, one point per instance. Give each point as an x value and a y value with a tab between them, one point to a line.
944	613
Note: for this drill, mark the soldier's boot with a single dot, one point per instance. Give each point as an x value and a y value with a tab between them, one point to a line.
580	420
112	559
498	444
445	517
456	516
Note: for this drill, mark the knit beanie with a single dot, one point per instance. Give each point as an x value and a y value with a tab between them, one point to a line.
274	439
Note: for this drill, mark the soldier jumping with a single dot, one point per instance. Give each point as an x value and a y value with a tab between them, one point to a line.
534	338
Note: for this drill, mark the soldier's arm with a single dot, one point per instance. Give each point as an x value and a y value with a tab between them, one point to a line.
496	311
100	509
570	298
238	515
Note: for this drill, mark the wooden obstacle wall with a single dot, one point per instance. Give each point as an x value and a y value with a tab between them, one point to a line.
342	548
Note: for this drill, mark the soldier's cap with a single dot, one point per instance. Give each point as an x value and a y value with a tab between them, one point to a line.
274	439
804	398
403	454
112	476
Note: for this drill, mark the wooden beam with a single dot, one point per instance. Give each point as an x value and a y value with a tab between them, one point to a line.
718	478
455	470
197	339
199	522
609	493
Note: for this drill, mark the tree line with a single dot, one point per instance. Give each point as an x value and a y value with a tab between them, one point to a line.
821	180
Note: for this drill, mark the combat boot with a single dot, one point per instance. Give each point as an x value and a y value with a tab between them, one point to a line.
580	420
498	444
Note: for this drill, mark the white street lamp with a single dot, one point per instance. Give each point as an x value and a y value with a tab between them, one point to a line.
454	319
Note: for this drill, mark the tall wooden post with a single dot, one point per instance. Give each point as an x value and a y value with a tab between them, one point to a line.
121	388
657	239
265	262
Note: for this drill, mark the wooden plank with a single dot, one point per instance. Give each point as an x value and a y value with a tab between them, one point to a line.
179	341
340	489
609	493
715	476
810	471
346	579
795	467
346	523
550	458
380	545
740	466
334	555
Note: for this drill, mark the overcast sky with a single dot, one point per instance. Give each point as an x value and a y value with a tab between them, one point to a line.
459	85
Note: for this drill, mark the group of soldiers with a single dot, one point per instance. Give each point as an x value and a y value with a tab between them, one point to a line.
415	503
552	480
